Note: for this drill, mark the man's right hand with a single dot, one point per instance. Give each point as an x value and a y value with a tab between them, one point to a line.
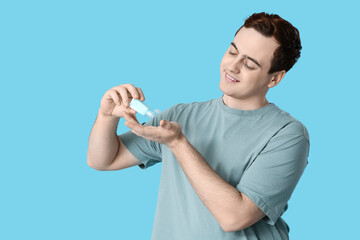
117	99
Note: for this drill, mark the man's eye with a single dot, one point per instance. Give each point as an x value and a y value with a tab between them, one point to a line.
250	68
247	66
231	53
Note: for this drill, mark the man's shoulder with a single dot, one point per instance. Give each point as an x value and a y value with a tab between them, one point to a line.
293	125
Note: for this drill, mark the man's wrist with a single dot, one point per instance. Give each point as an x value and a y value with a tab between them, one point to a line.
105	117
178	143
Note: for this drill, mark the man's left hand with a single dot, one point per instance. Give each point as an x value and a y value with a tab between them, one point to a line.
168	133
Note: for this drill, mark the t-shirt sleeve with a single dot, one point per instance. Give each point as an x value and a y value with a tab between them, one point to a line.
271	178
146	151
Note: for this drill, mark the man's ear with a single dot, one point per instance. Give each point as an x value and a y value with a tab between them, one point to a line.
276	78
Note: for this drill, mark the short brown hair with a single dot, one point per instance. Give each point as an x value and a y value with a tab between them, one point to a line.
288	36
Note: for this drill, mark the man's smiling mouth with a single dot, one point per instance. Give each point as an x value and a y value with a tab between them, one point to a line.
230	78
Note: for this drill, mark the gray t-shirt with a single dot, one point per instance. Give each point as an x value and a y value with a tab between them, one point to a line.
261	152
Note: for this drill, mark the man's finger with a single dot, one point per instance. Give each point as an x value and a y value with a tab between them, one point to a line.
134	117
162	123
136	126
128	117
132	111
130	122
165	124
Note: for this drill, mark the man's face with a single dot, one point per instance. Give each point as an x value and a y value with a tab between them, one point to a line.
250	63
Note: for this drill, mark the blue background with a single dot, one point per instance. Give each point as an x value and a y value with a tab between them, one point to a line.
58	58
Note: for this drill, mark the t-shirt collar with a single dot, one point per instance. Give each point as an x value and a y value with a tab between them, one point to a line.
249	113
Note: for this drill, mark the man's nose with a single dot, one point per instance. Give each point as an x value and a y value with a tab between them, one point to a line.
234	66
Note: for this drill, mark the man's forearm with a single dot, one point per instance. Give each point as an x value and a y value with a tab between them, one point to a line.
221	198
103	141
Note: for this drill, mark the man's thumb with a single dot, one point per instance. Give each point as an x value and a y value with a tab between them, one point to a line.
165	124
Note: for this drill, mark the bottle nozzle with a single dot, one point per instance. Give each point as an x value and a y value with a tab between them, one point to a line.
152	114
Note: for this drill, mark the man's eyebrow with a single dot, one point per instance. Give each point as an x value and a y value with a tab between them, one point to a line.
252	59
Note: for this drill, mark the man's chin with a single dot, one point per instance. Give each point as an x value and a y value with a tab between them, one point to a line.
225	89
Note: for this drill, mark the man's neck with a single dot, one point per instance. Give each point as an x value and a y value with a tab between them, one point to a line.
243	104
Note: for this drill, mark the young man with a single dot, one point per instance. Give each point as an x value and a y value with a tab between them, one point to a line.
230	164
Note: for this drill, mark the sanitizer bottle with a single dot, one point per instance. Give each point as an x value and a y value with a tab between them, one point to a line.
141	108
